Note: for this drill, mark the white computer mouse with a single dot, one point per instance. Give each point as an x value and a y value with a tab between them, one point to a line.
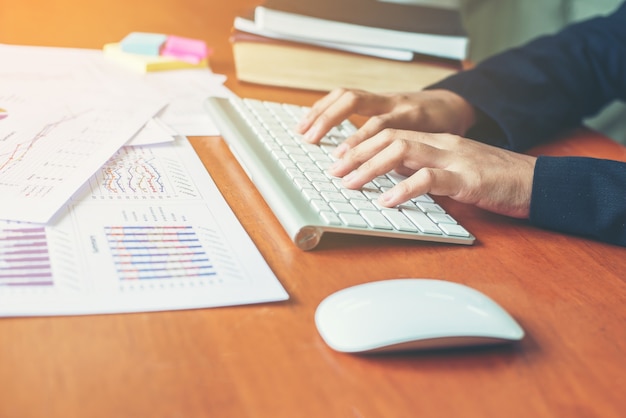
410	314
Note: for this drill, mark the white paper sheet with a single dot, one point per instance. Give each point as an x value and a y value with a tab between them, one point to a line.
65	116
65	111
185	91
149	231
44	163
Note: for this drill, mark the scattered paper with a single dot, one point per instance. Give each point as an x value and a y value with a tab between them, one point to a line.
66	111
149	231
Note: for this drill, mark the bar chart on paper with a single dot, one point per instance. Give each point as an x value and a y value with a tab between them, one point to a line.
149	253
24	257
149	231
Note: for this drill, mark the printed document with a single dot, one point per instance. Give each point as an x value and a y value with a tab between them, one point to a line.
65	112
149	231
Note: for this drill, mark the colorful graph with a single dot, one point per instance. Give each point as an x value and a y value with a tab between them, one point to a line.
141	172
158	252
24	257
13	156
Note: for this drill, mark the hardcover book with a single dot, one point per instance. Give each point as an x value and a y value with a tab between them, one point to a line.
283	63
421	29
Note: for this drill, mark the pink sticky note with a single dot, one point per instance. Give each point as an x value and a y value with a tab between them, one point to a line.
185	49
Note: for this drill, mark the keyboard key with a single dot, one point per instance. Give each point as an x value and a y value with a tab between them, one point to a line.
353	194
455	230
333	197
430	207
330	218
399	221
442	218
362	204
353	220
376	219
342	207
422	221
320	205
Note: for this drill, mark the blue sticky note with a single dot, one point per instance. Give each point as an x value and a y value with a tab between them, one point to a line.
143	43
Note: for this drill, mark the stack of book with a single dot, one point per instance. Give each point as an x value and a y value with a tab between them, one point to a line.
379	46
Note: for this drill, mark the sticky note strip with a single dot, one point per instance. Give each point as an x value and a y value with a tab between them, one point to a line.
145	63
185	49
143	43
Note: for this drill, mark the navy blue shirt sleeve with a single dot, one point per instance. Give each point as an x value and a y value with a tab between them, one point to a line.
536	91
530	94
582	196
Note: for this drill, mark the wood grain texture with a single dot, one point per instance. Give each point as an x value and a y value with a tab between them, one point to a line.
268	360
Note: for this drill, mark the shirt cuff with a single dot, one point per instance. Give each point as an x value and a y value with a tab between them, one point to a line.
580	196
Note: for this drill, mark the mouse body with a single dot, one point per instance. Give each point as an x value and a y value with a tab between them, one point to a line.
412	314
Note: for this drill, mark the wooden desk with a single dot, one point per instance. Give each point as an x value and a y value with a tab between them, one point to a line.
268	361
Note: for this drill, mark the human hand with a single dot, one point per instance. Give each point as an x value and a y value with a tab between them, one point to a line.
426	111
471	172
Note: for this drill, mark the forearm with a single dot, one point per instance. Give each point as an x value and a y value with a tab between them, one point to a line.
532	93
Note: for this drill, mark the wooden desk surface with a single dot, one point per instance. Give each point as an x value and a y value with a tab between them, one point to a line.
268	360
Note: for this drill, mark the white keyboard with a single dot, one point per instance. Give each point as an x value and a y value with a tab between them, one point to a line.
291	175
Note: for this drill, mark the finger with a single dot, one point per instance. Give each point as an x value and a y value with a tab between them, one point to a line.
328	113
437	182
358	156
317	109
403	151
385	152
371	127
394	120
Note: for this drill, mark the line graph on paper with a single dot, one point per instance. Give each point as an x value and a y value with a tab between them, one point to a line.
142	173
40	166
38	158
44	160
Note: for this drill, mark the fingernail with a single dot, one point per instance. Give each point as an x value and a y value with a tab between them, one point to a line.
349	178
300	126
341	150
387	197
311	133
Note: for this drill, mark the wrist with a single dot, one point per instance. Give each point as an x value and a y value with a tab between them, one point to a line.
463	112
